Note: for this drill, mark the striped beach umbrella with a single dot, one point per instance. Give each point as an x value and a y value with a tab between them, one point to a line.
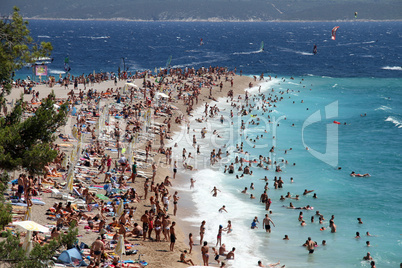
120	248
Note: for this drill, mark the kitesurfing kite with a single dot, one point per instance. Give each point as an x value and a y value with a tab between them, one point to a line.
334	32
315	49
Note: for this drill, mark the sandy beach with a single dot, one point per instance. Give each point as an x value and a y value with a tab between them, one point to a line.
157	254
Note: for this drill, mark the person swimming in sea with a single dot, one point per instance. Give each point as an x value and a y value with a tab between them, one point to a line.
353	174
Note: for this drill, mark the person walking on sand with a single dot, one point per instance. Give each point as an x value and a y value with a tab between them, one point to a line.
216	253
191	242
153	171
175	200
266	223
174	169
172	236
145	223
133	172
97	249
146	186
202	231
205	253
108	163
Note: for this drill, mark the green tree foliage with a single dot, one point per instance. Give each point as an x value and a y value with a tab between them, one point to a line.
5	208
17	48
12	255
26	143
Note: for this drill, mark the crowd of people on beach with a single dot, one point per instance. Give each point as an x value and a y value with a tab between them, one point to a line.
105	164
96	169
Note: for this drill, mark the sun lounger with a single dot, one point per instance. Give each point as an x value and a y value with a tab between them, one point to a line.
57	194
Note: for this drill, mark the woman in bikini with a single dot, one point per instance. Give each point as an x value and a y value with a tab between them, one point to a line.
228	228
202	231
158	228
204	251
219	236
191	242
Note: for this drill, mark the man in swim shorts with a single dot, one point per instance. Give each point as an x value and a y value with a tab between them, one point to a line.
266	223
145	223
172	236
97	249
310	246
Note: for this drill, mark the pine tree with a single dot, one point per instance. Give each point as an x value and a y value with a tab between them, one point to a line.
17	48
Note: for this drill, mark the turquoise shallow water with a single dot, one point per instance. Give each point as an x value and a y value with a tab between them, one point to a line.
366	144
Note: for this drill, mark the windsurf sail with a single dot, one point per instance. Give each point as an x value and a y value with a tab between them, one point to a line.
355	15
262	46
333	37
315	49
201	42
168	62
67	64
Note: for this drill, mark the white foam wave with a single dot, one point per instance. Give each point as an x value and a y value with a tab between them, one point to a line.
239	211
392	68
99	37
194	51
298	52
384	108
195	63
248	53
397	123
356	43
266	85
95	37
43	36
56	72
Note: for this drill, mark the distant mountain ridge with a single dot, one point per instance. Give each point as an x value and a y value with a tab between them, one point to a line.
242	10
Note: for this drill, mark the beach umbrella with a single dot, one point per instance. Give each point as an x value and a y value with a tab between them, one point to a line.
70	180
28	214
31	226
120	248
120	209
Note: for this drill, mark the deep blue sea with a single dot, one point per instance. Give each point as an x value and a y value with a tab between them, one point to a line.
358	73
